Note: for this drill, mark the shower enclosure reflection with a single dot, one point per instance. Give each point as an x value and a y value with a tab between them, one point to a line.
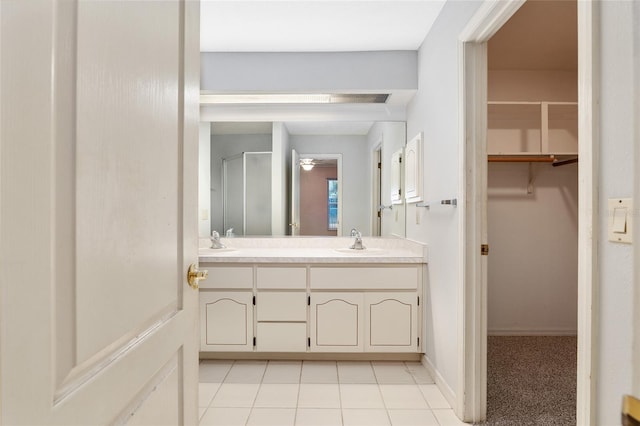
246	182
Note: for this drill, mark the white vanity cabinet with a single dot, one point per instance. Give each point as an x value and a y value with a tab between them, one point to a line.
311	307
281	309
372	319
226	309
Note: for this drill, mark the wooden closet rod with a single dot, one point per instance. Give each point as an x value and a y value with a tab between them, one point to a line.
563	162
521	159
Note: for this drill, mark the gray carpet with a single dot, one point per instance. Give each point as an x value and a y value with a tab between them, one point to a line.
531	380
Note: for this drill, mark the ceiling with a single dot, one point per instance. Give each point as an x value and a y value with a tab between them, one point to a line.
315	25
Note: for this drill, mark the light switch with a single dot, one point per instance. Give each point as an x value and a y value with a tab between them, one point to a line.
620	220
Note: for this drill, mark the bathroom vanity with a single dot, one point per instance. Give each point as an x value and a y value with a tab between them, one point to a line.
312	295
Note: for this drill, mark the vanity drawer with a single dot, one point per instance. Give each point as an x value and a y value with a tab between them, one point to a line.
364	278
282	278
281	337
228	277
281	306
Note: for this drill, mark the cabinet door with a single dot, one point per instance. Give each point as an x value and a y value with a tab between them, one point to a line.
391	322
336	322
226	321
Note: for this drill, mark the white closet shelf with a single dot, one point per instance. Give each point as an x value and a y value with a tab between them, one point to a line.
516	128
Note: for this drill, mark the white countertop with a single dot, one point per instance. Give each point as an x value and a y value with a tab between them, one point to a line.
313	250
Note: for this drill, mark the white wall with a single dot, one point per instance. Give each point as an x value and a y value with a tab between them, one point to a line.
532	85
308	71
619	114
533	266
204	179
280	170
356	195
361	72
434	111
224	146
393	137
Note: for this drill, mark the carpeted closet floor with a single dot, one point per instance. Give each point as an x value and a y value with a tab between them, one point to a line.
531	380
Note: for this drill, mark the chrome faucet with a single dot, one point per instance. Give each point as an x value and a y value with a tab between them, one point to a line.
215	241
357	244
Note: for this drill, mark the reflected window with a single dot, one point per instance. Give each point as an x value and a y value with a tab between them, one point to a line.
332	204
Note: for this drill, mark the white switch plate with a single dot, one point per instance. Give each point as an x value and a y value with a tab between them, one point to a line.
620	222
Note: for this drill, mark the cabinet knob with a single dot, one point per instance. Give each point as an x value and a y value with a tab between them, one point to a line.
194	276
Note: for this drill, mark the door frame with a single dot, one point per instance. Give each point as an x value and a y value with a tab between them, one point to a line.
376	189
472	317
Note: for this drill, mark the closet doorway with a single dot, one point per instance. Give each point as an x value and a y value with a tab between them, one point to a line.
532	216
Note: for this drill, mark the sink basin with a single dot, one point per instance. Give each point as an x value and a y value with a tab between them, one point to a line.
366	251
206	250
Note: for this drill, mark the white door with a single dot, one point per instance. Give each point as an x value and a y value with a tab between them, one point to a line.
99	140
295	193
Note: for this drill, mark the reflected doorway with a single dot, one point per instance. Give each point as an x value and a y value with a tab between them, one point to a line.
316	194
319	198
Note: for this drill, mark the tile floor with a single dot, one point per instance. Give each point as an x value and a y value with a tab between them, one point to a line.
320	393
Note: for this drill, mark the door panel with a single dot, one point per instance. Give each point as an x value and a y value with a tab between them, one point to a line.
337	322
392	322
118	246
227	321
98	211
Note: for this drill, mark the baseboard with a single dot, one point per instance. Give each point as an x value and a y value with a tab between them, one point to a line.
447	392
531	332
312	356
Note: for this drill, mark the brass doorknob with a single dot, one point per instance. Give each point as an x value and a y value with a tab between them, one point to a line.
194	275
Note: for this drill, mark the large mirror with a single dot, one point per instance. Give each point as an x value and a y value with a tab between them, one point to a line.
299	178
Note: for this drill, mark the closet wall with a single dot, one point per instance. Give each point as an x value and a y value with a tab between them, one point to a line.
532	207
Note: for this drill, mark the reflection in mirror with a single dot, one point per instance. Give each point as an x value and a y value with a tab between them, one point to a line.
246	194
363	153
319	193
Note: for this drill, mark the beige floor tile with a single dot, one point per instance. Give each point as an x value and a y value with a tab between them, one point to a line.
420	373
318	417
319	396
271	395
365	417
355	372
319	372
434	397
214	371
272	417
235	395
447	418
246	372
412	418
392	373
361	396
282	372
206	392
403	396
225	417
